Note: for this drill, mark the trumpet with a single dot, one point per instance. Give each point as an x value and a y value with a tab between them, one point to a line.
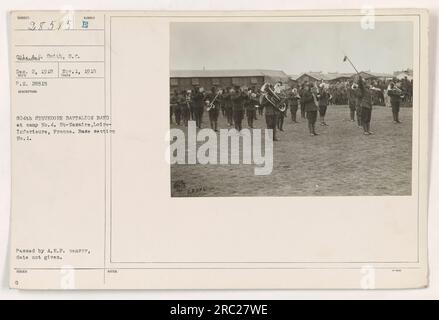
211	105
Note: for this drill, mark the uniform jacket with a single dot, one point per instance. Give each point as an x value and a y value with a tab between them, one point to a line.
237	101
323	98
198	99
308	101
395	96
174	101
181	101
227	100
352	99
270	110
293	101
366	97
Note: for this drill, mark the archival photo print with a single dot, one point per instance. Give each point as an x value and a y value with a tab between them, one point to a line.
291	108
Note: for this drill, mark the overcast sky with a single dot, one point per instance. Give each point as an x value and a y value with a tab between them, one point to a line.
291	47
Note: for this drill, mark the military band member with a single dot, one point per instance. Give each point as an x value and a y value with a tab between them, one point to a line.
260	108
351	100
173	104
256	106
280	120
228	106
280	115
323	98
191	104
186	110
271	112
250	109
179	107
222	104
302	107
198	107
356	93
238	98
213	107
395	95
310	105
366	102
293	102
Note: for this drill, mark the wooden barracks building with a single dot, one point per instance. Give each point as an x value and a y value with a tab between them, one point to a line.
334	77
187	79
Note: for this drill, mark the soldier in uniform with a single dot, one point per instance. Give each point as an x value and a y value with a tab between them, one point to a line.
197	102
302	107
395	100
351	100
186	108
293	103
356	93
173	104
280	115
271	113
191	104
310	105
365	94
238	99
221	103
213	104
280	120
250	109
255	105
260	107
323	97
228	107
180	101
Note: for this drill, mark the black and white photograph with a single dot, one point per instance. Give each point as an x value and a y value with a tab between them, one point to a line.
237	151
321	108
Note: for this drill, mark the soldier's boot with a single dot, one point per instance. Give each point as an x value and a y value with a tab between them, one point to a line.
275	135
365	129
314	129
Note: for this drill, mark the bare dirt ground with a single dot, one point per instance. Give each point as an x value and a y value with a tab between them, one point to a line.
341	161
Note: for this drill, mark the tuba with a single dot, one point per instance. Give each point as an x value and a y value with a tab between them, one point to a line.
273	98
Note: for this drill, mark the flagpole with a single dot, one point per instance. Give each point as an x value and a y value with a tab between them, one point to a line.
347	58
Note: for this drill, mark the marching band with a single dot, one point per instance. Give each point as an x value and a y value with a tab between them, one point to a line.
312	99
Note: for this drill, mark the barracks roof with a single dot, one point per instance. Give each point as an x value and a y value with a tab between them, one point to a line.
335	75
227	73
375	74
326	76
